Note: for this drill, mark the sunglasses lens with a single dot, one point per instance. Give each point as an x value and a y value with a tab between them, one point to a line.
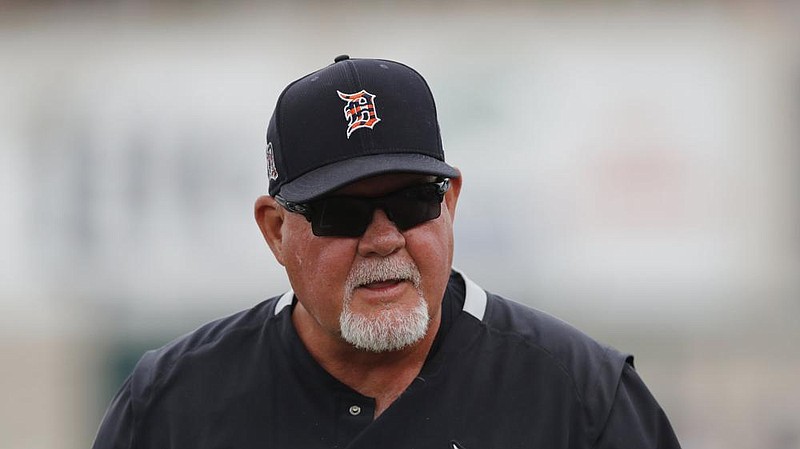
341	216
413	206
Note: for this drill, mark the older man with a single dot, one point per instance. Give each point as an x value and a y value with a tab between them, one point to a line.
380	344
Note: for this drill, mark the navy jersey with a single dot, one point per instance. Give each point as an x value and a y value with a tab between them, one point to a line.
499	376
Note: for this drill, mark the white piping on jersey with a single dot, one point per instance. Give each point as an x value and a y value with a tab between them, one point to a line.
474	300
286	300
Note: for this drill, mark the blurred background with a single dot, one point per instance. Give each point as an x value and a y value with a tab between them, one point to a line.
631	167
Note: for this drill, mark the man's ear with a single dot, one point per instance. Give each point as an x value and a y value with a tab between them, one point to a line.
269	216
451	196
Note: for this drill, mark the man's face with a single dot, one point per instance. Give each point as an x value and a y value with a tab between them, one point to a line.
377	291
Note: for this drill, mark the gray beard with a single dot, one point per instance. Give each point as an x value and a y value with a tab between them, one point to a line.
391	328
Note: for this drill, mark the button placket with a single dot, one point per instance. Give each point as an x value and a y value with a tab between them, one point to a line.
354	414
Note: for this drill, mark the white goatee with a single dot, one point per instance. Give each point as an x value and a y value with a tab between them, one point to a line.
392	327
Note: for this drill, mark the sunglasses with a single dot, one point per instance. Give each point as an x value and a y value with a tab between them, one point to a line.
349	216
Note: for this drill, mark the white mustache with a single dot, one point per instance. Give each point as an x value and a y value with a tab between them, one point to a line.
372	270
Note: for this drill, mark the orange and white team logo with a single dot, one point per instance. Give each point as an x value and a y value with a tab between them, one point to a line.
359	111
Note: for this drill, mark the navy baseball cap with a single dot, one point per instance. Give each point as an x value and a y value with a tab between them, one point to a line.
353	119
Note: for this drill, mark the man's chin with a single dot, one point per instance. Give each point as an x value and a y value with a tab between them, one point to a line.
386	329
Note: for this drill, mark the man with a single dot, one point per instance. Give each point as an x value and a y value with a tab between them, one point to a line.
380	344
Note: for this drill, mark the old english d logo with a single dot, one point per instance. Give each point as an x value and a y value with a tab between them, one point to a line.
359	111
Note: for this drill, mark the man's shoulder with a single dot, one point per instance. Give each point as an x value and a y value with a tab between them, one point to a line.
536	337
560	340
213	342
536	343
537	327
507	321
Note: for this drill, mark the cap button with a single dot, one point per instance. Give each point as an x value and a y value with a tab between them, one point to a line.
341	58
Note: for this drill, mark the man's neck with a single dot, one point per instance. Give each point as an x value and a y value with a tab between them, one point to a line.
382	376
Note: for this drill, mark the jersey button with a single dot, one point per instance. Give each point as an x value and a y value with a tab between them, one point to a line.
355	410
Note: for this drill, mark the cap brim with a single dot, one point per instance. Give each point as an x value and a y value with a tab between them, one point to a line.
334	176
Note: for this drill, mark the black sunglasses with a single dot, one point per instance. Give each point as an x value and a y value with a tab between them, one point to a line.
349	216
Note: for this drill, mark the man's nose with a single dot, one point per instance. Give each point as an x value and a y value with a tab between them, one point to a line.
382	237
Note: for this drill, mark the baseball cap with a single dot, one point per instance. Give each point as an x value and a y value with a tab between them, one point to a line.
351	120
